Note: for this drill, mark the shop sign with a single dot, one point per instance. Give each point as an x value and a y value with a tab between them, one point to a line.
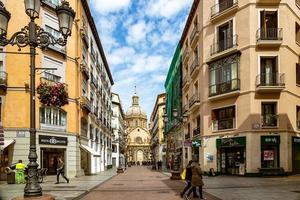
270	140
53	140
21	134
268	155
196	143
231	142
187	143
296	140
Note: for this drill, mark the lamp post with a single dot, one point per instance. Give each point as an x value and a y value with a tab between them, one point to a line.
34	36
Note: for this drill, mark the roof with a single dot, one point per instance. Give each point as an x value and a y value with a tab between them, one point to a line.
97	37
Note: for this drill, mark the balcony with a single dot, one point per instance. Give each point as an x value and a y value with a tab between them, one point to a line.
224	47
194	102
51	3
3	82
269	37
194	69
85	104
270	82
185	82
84	36
52	80
298	3
269	2
194	36
224	90
93	55
196	132
94	81
58	49
185	108
223	124
269	121
186	55
223	9
85	69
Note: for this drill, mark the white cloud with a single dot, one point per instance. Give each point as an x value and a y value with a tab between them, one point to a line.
104	6
137	32
166	8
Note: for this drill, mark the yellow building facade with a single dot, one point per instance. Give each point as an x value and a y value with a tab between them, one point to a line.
79	132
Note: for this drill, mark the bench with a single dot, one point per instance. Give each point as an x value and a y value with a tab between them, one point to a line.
279	171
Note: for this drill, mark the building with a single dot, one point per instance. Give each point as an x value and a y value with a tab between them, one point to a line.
138	146
158	144
79	131
119	142
174	124
241	84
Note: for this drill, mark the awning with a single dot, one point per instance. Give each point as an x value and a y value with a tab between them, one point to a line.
90	150
7	143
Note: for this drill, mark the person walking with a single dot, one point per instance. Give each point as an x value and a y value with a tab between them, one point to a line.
61	171
196	180
20	175
188	179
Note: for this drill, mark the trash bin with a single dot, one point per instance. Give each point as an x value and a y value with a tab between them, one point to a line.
11	178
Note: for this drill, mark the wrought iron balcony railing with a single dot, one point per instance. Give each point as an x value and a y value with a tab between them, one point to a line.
270	79
220	7
269	34
269	120
85	103
194	65
196	131
194	99
222	45
225	87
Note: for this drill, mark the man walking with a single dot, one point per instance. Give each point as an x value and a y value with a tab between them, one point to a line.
188	179
196	179
61	171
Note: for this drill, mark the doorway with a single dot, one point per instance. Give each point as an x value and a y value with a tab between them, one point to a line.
231	160
49	157
296	155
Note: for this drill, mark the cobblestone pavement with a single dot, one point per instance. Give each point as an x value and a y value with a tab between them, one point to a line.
139	183
63	191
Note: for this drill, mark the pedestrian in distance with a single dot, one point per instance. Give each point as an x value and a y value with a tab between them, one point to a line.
188	179
61	171
197	181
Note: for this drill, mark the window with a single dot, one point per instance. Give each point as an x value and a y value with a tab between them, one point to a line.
53	75
1	60
269	114
225	36
224	76
52	117
297	33
298	74
223	118
269	25
84	88
269	71
84	127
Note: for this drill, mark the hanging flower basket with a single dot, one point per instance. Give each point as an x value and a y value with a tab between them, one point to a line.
53	94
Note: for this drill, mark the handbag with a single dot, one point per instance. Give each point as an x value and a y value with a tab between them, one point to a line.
183	174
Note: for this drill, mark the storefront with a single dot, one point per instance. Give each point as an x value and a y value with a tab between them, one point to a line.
270	146
296	155
231	153
5	157
51	149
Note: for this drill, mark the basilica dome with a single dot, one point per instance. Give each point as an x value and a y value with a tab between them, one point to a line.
135	109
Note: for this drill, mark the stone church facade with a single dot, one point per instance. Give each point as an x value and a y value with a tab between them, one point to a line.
138	147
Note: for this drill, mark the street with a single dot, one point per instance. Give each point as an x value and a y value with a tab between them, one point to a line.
139	183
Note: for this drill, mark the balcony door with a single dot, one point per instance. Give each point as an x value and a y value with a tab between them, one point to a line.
268	70
268	25
225	36
269	114
225	4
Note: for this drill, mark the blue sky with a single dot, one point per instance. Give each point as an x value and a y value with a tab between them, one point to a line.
139	39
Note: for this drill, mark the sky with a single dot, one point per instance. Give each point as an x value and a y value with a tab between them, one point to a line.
139	39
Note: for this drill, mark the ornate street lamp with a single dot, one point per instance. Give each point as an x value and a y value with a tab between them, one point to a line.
34	36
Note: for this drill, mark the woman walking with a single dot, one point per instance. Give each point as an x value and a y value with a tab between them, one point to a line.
188	179
196	179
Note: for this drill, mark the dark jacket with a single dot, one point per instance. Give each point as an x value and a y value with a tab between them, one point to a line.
196	176
60	166
188	175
